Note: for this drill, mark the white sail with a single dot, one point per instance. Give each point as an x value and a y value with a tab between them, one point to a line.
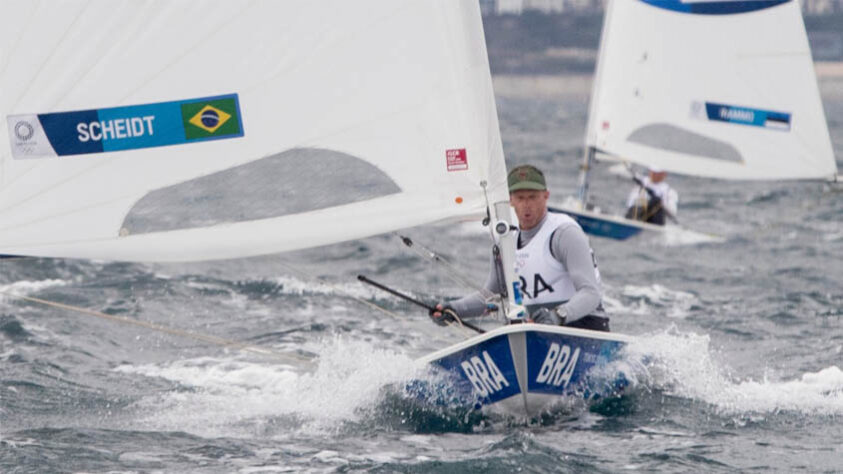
722	89
176	131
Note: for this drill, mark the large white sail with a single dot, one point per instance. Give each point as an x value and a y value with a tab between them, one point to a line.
174	131
722	89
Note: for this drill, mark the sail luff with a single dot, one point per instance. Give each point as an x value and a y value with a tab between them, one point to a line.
590	133
596	85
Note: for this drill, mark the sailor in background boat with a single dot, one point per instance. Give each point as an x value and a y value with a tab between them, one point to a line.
652	200
560	282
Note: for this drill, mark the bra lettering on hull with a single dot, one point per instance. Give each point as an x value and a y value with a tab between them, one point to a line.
484	374
559	365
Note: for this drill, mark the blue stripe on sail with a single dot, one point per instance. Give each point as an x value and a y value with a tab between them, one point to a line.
714	7
747	116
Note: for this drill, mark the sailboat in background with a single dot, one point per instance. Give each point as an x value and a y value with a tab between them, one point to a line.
179	131
715	89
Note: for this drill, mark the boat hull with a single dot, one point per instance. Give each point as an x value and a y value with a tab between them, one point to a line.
601	225
523	369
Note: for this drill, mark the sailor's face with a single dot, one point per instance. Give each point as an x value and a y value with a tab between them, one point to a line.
530	207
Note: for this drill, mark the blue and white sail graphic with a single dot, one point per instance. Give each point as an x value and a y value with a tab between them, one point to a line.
121	128
716	7
747	116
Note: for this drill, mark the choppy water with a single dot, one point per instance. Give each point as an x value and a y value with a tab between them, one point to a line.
745	338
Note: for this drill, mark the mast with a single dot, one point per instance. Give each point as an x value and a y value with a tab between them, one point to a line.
585	167
505	258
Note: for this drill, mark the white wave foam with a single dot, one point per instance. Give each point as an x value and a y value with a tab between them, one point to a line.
653	298
297	287
682	365
26	288
294	286
675	236
228	395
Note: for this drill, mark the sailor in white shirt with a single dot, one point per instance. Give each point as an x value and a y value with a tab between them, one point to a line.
652	200
560	281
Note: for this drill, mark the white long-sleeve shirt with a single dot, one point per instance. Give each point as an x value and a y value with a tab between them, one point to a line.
669	196
571	248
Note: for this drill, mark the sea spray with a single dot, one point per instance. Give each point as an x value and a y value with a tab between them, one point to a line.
346	382
682	364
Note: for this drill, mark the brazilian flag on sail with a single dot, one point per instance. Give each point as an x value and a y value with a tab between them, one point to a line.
211	118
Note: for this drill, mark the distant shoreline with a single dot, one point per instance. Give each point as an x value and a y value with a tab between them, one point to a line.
829	76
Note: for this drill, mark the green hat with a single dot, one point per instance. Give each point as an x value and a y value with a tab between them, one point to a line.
526	177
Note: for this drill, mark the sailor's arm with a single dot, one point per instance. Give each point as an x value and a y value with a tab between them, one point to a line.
474	304
570	247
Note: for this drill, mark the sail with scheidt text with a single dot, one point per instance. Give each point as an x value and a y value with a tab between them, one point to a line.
205	130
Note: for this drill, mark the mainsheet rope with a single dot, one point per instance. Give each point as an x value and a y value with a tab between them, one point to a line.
219	341
215	340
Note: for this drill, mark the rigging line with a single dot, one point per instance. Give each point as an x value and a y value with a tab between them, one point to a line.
219	341
304	274
433	256
462	329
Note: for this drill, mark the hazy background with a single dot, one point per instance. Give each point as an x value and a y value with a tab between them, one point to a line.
541	39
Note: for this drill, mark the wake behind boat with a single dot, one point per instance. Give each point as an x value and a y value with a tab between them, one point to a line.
741	104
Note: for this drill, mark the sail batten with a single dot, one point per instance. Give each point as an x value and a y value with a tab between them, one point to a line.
170	132
726	90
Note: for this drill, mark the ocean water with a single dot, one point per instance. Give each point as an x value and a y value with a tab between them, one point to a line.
744	336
